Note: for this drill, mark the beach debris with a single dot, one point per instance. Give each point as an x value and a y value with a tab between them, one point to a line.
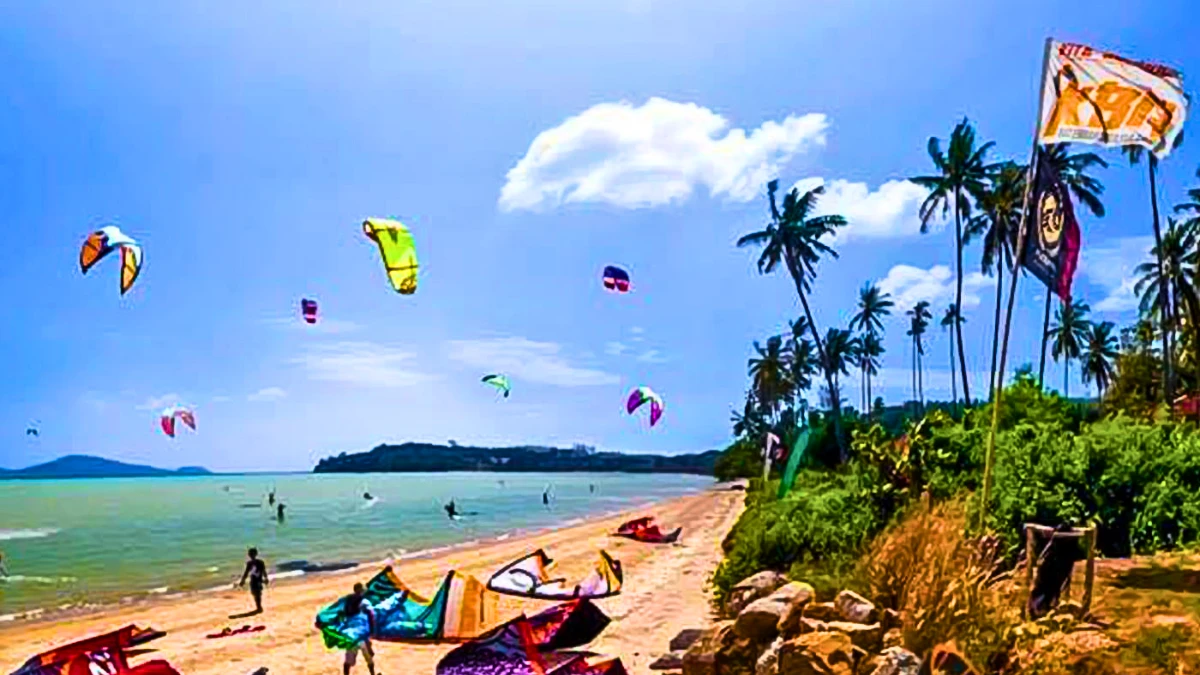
459	610
529	577
106	240
308	309
752	588
500	382
398	251
260	671
169	416
639	397
227	631
100	654
616	279
644	529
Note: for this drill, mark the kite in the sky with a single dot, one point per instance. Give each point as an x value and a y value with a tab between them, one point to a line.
101	654
398	251
309	309
104	241
498	381
616	279
177	412
31	431
641	396
529	577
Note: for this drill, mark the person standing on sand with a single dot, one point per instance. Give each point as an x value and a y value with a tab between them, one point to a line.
256	570
354	604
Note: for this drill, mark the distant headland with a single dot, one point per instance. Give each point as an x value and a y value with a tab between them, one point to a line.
86	466
414	457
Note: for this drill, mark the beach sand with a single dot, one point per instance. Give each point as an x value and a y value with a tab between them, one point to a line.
664	592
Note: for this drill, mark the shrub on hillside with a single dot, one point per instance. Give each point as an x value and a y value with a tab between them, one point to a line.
742	459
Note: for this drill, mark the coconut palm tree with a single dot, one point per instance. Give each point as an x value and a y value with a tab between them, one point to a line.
769	374
919	317
1099	355
793	238
873	306
961	178
841	348
1193	206
870	351
949	320
802	365
1069	335
750	422
998	223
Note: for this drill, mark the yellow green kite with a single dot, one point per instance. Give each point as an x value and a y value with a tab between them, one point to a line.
398	250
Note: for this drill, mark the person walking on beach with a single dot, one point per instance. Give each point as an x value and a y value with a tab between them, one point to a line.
256	570
354	604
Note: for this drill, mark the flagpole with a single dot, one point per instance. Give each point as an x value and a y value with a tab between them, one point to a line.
989	457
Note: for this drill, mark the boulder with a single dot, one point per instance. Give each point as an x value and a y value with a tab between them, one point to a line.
768	661
795	593
760	619
822	611
893	638
855	608
701	657
738	656
668	661
686	638
825	653
752	588
862	635
895	661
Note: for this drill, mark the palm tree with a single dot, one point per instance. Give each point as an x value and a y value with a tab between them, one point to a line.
793	238
1173	269
750	422
1192	223
841	348
802	365
870	351
949	320
873	306
1069	334
1193	206
1099	355
961	178
769	374
919	317
998	224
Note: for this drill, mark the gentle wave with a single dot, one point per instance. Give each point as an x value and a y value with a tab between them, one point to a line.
37	533
18	578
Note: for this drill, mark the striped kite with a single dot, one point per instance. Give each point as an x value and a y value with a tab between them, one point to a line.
643	395
170	414
104	241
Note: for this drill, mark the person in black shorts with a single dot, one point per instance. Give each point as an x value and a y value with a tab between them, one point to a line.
256	570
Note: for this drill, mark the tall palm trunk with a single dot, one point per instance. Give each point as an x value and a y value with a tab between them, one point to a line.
1066	377
958	242
916	400
953	384
1165	310
921	375
1045	338
992	383
870	401
834	396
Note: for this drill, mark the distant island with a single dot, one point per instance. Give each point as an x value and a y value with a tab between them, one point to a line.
413	457
86	466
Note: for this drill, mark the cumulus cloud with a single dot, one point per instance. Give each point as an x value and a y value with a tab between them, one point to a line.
651	356
887	212
653	154
1110	266
910	285
361	363
266	394
615	348
525	359
159	402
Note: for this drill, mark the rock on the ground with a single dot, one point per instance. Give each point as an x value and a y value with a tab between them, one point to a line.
768	661
822	611
701	657
795	593
817	654
893	638
760	620
855	608
668	661
890	618
864	636
895	661
684	639
752	588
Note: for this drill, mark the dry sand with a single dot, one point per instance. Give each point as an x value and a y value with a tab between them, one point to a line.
664	592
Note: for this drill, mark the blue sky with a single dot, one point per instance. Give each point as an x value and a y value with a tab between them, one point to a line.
526	145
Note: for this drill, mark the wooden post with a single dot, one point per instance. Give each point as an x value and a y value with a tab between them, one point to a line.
1029	563
1089	576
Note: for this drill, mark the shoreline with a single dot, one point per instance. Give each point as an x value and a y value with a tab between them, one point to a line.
150	597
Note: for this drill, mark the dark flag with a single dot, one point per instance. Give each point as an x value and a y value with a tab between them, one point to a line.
1052	243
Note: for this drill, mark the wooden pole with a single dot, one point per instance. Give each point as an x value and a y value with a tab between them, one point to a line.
990	453
1029	564
1089	577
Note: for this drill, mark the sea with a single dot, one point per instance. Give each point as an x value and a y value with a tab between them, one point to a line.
77	542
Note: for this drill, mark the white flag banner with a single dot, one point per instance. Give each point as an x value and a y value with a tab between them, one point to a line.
1092	96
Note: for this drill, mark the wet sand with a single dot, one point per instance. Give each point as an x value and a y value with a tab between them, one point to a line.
664	592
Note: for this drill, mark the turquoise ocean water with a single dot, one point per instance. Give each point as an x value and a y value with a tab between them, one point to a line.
67	542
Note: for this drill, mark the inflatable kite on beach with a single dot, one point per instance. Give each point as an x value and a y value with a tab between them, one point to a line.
308	308
101	654
645	530
529	577
398	250
106	240
641	396
530	646
616	279
176	412
498	381
460	610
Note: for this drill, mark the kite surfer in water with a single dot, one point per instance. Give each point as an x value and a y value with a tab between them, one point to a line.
367	496
3	569
451	510
279	512
271	498
256	570
546	498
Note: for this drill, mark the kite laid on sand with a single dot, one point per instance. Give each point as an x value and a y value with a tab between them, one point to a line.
460	610
498	381
646	530
529	577
173	413
106	240
642	395
398	250
100	654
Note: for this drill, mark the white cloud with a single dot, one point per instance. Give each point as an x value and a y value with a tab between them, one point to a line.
525	359
651	356
159	402
890	211
615	348
1110	266
910	285
266	394
220	399
641	156
362	363
638	334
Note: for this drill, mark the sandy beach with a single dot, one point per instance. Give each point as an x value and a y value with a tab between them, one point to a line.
664	593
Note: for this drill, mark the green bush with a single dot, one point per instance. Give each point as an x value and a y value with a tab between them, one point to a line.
742	459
